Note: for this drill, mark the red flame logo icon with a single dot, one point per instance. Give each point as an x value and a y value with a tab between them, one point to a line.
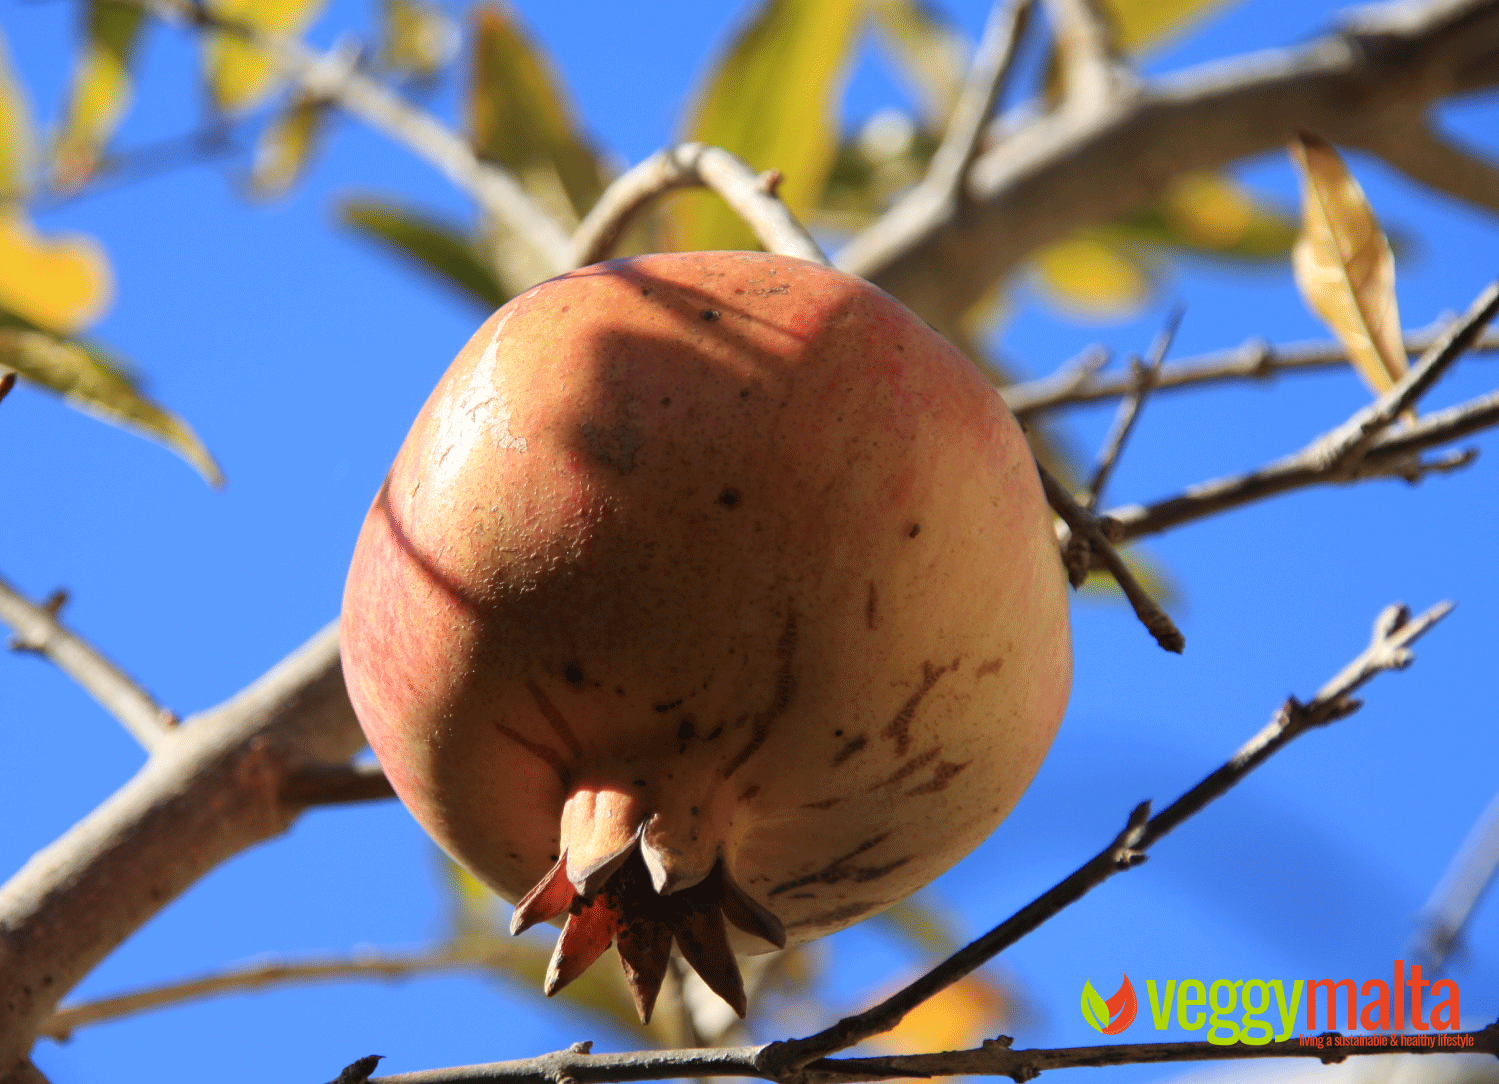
1111	1016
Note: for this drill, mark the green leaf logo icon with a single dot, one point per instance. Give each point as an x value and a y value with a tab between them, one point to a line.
1095	1010
1111	1016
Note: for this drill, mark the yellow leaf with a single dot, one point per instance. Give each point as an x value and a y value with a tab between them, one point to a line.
930	54
100	93
521	119
1344	266
419	38
89	381
1092	277
59	284
1139	23
17	137
958	1018
285	145
772	100
239	73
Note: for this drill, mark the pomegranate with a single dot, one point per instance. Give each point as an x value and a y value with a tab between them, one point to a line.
708	586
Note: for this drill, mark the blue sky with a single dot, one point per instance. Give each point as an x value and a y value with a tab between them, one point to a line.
301	354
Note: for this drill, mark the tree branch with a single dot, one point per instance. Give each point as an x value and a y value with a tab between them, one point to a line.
37	629
1463	883
689	165
1087	537
330	77
209	793
1144	376
1042	181
1357	449
1389	649
336	784
456	957
1417	149
1079	382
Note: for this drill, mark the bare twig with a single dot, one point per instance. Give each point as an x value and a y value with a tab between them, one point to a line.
1086	539
325	784
942	189
210	792
358	1072
1256	360
331	78
1042	182
1463	884
1144	376
689	165
1094	77
37	629
460	956
1388	649
995	1058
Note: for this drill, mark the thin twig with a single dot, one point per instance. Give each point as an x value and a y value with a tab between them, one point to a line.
37	629
329	77
1456	895
1088	539
1388	649
687	165
322	784
1144	376
488	956
1358	449
1256	360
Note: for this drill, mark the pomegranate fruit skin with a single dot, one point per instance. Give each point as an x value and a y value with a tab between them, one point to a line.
726	555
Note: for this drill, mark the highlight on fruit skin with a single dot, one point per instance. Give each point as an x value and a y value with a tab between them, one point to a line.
711	605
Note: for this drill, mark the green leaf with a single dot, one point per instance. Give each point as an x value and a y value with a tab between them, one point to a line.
929	52
17	136
285	146
520	118
774	101
100	93
1142	23
92	381
418	38
1095	1009
434	245
239	73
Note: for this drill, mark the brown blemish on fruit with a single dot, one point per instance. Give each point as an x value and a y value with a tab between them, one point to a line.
729	498
802	896
616	448
542	752
663	708
849	748
840	914
686	730
941	776
573	674
899	728
715	732
711	314
826	803
839	869
785	692
911	767
749	792
914	531
990	667
872	607
554	717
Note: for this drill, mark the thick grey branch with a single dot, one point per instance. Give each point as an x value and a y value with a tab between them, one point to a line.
688	165
37	629
212	791
1438	161
1042	182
